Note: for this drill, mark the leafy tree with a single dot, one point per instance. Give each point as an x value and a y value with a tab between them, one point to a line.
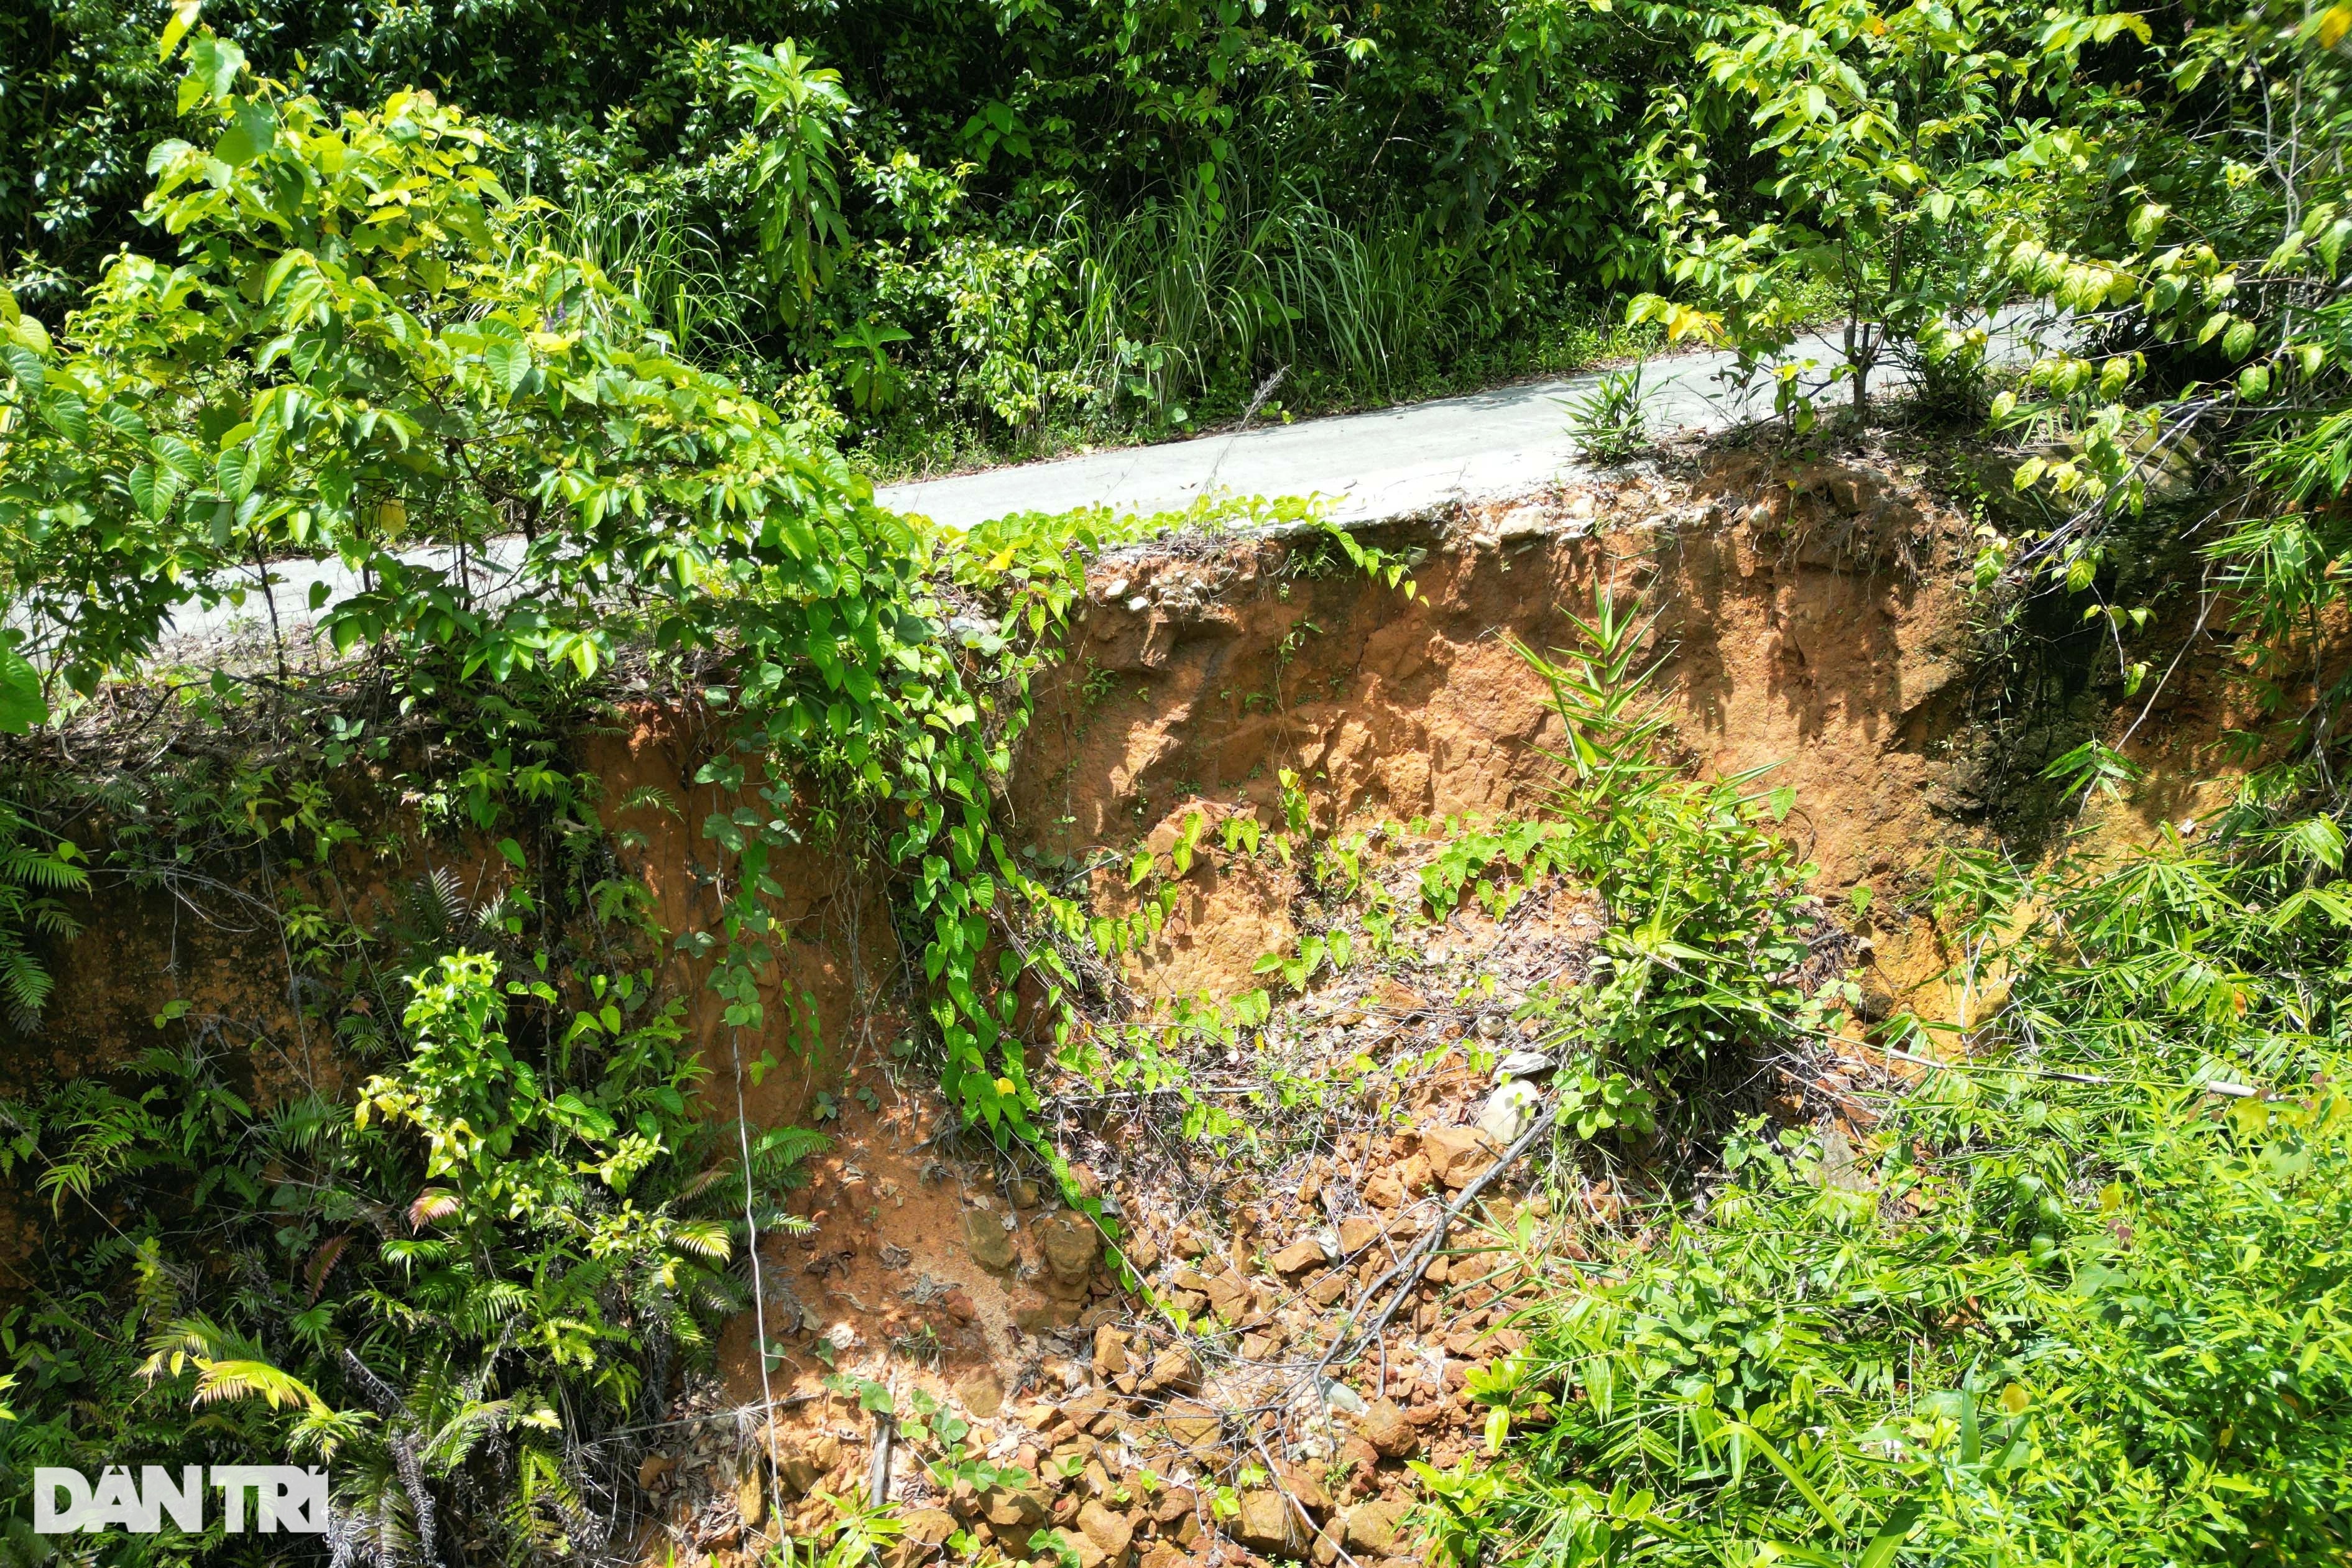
361	356
1886	135
800	228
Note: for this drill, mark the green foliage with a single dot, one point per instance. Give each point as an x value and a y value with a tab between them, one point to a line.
801	226
1092	222
454	1295
1611	421
400	386
1707	930
1885	135
324	374
32	877
2063	1306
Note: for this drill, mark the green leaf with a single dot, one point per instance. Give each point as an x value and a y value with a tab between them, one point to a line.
152	489
22	705
1891	1535
509	364
26	366
183	17
69	416
251	132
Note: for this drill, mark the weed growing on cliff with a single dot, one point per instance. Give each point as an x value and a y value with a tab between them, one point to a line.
2062	1305
1707	946
32	875
1612	422
458	1298
2080	1295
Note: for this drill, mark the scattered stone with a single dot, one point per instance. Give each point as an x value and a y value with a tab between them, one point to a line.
1070	1245
1457	1154
932	1526
1172	1369
1037	1318
1299	1257
1009	1507
1302	1485
1343	1399
1509	1112
982	1394
1193	1425
1076	1545
1328	1288
1385	1426
1838	1168
1229	1296
1109	1531
1110	1352
1025	1192
1522	1063
1357	1232
986	1236
1268	1523
1371	1527
1098	1411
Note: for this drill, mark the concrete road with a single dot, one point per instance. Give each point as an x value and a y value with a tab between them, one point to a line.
1505	442
1487	444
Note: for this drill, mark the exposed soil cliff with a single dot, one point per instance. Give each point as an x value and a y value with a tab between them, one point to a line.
1810	620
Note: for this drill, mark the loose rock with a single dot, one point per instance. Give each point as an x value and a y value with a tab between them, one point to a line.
985	1237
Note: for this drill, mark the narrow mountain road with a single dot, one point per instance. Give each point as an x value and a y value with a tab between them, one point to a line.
1485	445
1481	447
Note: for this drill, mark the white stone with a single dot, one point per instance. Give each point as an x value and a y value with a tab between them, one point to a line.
1522	1064
1510	1111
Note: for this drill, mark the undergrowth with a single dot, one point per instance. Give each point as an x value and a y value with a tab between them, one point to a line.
2078	1292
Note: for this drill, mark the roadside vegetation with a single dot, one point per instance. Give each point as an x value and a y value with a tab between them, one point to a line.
584	359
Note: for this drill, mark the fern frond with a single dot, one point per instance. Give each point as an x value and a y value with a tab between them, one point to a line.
218	1380
704	1238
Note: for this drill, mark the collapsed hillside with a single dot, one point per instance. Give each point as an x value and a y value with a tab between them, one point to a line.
1330	991
1269	1185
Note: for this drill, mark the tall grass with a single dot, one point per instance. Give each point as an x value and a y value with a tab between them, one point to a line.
1182	293
646	242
